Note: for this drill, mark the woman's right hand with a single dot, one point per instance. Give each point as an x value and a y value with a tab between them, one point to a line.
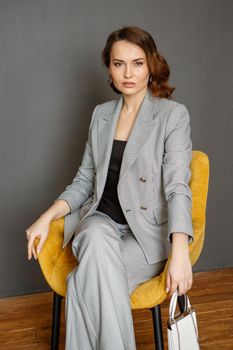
39	229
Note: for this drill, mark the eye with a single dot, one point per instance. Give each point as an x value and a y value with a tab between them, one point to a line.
139	63
117	63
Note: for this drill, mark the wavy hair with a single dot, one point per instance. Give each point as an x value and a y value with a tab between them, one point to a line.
157	65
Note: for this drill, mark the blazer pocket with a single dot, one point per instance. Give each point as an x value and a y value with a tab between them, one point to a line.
161	215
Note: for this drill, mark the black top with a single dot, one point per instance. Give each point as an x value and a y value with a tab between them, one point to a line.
109	202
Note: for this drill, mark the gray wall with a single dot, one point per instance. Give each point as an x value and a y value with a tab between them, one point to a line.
51	79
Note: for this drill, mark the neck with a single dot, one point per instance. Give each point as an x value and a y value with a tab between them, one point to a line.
132	102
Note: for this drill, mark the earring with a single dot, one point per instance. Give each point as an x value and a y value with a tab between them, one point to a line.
150	79
109	79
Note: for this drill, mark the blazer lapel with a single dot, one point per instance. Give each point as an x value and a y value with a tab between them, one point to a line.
141	130
105	134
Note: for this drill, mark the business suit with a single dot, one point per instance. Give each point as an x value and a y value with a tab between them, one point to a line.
155	197
153	183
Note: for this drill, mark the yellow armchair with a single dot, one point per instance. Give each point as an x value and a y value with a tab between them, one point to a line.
56	262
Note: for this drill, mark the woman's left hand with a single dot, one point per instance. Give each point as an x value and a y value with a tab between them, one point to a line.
179	273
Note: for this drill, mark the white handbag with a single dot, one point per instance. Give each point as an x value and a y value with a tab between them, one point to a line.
182	332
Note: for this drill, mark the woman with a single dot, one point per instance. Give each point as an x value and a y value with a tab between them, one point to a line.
125	223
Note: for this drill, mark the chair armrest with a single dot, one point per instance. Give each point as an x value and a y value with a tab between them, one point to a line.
55	262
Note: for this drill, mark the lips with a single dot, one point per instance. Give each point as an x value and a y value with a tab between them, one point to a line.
128	84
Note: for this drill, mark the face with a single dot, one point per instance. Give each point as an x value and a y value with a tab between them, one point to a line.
128	64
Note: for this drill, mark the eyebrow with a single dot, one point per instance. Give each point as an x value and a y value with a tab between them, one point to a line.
136	59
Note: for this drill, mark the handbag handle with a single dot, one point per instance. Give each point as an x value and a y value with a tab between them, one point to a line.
173	303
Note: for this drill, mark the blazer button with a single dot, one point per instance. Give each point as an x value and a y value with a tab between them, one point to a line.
144	208
142	179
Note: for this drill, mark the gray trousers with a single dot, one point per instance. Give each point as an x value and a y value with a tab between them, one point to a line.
111	265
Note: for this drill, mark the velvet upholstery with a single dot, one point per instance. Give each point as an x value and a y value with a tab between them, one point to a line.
56	263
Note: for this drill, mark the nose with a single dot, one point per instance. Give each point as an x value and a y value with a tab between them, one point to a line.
127	72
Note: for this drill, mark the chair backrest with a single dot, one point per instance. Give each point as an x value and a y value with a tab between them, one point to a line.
56	262
199	185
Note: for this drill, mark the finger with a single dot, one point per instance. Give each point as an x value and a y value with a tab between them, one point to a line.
40	245
189	286
30	244
29	251
34	252
168	282
173	288
190	282
181	289
28	234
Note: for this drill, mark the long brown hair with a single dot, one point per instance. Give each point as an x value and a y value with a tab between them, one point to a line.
158	67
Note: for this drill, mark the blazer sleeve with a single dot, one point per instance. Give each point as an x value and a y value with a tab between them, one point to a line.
177	173
82	185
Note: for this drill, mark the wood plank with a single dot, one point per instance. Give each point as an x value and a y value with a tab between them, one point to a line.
25	321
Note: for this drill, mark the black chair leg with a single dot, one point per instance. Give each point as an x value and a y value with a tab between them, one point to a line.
57	299
158	329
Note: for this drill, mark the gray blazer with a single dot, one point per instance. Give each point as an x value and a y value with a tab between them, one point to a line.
153	185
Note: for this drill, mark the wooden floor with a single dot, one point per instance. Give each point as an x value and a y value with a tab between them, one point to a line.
25	321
